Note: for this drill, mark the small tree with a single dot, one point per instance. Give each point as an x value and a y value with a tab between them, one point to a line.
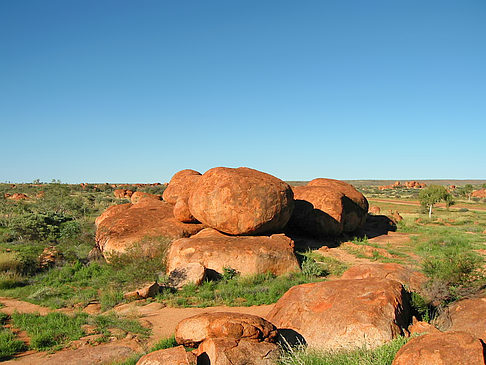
468	189
432	195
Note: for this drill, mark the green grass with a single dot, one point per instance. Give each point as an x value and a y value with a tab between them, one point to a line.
238	291
9	345
55	330
51	331
78	283
382	355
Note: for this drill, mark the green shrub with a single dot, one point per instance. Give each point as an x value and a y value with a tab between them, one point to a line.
310	268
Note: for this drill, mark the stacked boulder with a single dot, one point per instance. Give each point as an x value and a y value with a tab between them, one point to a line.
327	207
242	208
229	338
245	213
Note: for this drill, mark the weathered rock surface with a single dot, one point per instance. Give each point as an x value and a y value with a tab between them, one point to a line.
355	204
479	193
449	348
172	356
344	314
148	290
241	201
318	211
192	273
122	227
420	327
467	315
248	255
178	192
194	330
180	185
411	279
138	196
375	210
182	212
228	351
123	193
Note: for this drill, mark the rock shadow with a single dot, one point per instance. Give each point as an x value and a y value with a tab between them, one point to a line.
203	359
378	225
289	338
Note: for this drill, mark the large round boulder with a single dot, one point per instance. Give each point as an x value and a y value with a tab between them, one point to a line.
468	315
178	192
149	223
248	255
344	314
241	201
355	204
194	330
318	211
180	185
449	348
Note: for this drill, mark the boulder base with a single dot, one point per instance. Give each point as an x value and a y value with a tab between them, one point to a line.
173	356
248	255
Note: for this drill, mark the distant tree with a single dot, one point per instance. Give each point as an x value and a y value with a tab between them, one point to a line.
449	200
468	189
433	194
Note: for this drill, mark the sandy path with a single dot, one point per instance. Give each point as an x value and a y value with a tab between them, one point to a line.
11	305
162	320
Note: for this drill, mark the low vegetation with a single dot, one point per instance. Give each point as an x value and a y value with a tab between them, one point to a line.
382	355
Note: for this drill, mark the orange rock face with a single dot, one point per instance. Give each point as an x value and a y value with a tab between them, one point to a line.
375	210
122	193
469	315
241	201
194	330
318	211
180	185
17	196
479	193
178	192
405	276
248	255
139	195
228	351
354	203
121	227
173	356
458	348
344	314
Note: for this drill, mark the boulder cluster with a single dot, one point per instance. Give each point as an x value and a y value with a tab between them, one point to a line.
230	217
366	308
407	184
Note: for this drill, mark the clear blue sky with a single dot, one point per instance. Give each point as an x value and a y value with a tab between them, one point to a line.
133	91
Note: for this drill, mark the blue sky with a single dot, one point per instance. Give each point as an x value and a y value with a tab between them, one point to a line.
133	91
